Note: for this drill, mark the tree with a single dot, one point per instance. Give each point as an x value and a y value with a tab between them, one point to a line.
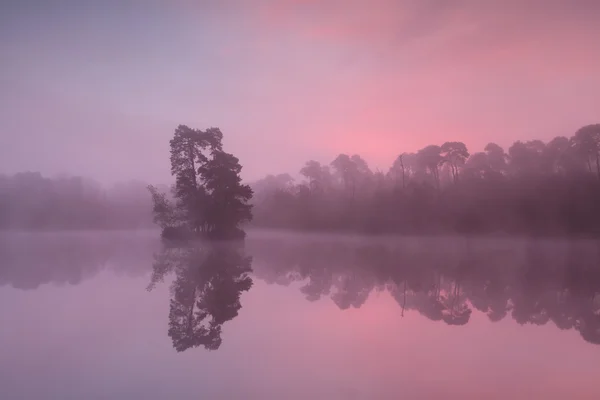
454	154
587	143
398	170
496	157
477	166
270	184
209	197
429	158
526	157
165	213
345	169
403	169
188	148
318	175
560	157
352	171
540	189
228	198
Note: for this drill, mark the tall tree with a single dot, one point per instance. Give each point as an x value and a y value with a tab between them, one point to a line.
209	196
477	166
559	157
188	154
526	157
318	175
228	198
270	184
454	154
403	169
587	143
496	157
344	168
398	170
429	158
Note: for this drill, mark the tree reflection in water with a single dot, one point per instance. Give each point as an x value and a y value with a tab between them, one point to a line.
534	281
443	279
205	292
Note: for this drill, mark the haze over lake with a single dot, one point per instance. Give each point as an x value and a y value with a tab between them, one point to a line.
299	199
325	316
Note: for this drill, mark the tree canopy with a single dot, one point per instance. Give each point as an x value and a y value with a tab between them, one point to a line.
531	188
208	197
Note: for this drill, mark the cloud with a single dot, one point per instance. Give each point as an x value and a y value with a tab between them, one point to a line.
291	80
467	64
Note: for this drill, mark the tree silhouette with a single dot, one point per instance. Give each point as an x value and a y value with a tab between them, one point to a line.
188	148
209	196
403	169
526	157
587	143
455	154
345	169
430	158
227	204
496	157
536	189
477	166
319	176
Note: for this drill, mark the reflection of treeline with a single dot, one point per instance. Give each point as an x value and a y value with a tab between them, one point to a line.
534	187
28	260
209	280
446	279
30	201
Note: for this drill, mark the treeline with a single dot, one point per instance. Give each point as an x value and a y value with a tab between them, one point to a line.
533	188
30	201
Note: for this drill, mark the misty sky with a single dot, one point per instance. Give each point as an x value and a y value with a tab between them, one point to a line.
96	88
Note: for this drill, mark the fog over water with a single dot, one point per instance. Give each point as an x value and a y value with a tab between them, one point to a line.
299	199
298	316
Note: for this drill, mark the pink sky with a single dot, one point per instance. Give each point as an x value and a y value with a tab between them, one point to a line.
98	88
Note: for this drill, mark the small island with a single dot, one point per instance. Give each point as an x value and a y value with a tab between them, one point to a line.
208	199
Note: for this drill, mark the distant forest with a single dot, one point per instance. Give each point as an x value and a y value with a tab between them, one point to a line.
29	201
532	188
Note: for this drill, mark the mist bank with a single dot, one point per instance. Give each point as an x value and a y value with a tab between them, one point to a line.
533	188
445	279
30	201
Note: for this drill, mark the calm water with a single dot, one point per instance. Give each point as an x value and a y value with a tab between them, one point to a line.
119	316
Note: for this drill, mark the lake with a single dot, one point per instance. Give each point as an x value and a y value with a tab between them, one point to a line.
119	315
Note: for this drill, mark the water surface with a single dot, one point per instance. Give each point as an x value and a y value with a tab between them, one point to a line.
120	316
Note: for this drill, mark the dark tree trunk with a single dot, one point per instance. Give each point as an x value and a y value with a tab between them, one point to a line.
403	174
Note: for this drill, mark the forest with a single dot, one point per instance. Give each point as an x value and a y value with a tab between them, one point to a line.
30	201
532	188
